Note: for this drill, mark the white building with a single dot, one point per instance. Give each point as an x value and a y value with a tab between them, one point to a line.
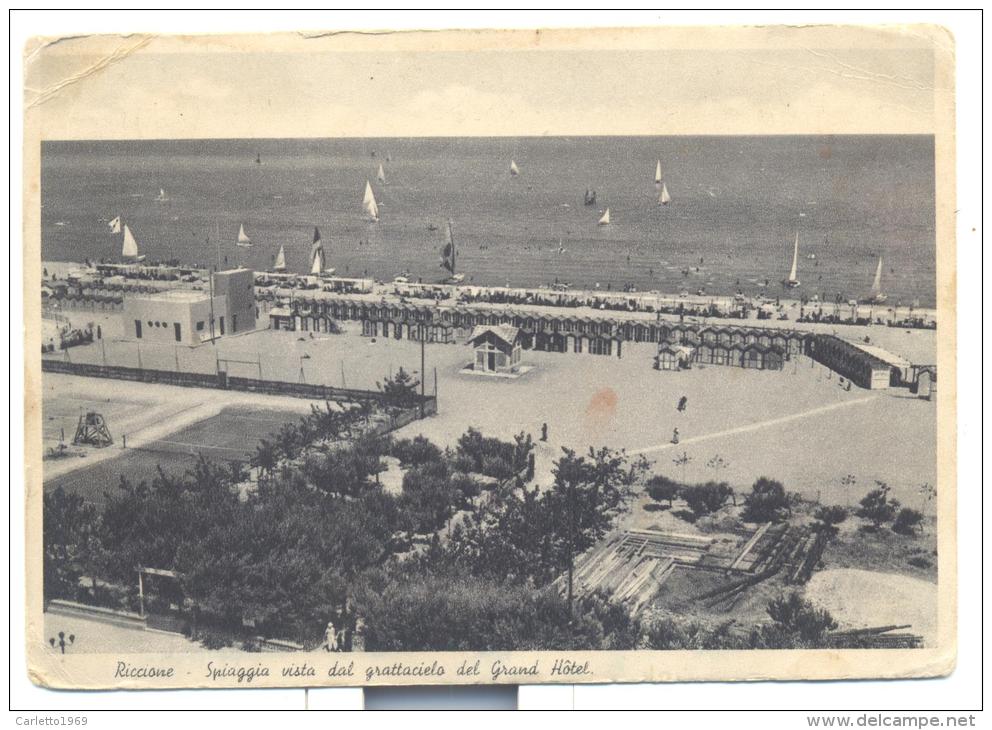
190	316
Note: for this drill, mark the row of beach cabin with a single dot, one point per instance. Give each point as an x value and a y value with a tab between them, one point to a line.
674	356
555	332
680	344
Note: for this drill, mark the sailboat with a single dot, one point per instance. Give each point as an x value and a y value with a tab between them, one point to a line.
590	198
161	197
605	220
664	198
792	282
317	257
115	225
369	204
514	170
130	248
877	296
448	258
243	240
280	264
657	173
381	175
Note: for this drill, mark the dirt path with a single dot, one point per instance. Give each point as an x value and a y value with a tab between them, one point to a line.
754	426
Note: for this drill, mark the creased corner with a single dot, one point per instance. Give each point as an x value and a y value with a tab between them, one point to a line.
36	97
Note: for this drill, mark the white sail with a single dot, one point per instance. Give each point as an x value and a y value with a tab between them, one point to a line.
605	220
514	170
381	175
316	254
115	225
664	198
317	265
876	286
130	249
369	204
243	239
280	264
794	271
657	172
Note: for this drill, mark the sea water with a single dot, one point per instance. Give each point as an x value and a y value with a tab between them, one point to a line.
737	205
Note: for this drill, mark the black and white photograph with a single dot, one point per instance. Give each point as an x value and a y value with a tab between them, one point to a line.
494	357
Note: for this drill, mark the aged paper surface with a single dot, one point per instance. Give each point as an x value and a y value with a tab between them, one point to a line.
564	356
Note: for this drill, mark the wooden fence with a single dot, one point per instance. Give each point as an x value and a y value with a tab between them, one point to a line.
225	382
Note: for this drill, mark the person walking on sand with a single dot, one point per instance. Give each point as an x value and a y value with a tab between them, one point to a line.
683	402
675	436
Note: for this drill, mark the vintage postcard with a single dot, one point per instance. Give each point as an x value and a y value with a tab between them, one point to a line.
470	357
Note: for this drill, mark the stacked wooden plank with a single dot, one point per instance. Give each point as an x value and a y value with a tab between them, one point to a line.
878	637
807	556
773	548
745	559
631	566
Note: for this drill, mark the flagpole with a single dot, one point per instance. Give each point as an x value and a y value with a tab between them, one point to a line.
213	340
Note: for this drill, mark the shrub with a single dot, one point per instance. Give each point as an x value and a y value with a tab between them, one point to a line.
468	487
877	507
799	617
496	467
828	518
685	515
919	562
416	451
703	499
767	502
429	496
662	488
212	640
907	521
503	458
400	391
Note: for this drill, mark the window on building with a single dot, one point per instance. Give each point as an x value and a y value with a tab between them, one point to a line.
199	326
150	324
179	332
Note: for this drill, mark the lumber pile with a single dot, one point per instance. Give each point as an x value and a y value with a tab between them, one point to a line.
878	637
773	548
630	567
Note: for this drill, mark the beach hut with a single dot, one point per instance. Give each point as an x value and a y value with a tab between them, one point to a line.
704	354
673	356
497	348
774	358
753	357
721	355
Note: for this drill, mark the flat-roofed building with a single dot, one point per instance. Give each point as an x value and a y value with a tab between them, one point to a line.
191	316
237	286
865	365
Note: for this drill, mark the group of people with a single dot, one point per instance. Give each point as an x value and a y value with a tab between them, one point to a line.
343	639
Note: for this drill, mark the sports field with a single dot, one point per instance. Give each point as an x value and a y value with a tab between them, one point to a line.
231	435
